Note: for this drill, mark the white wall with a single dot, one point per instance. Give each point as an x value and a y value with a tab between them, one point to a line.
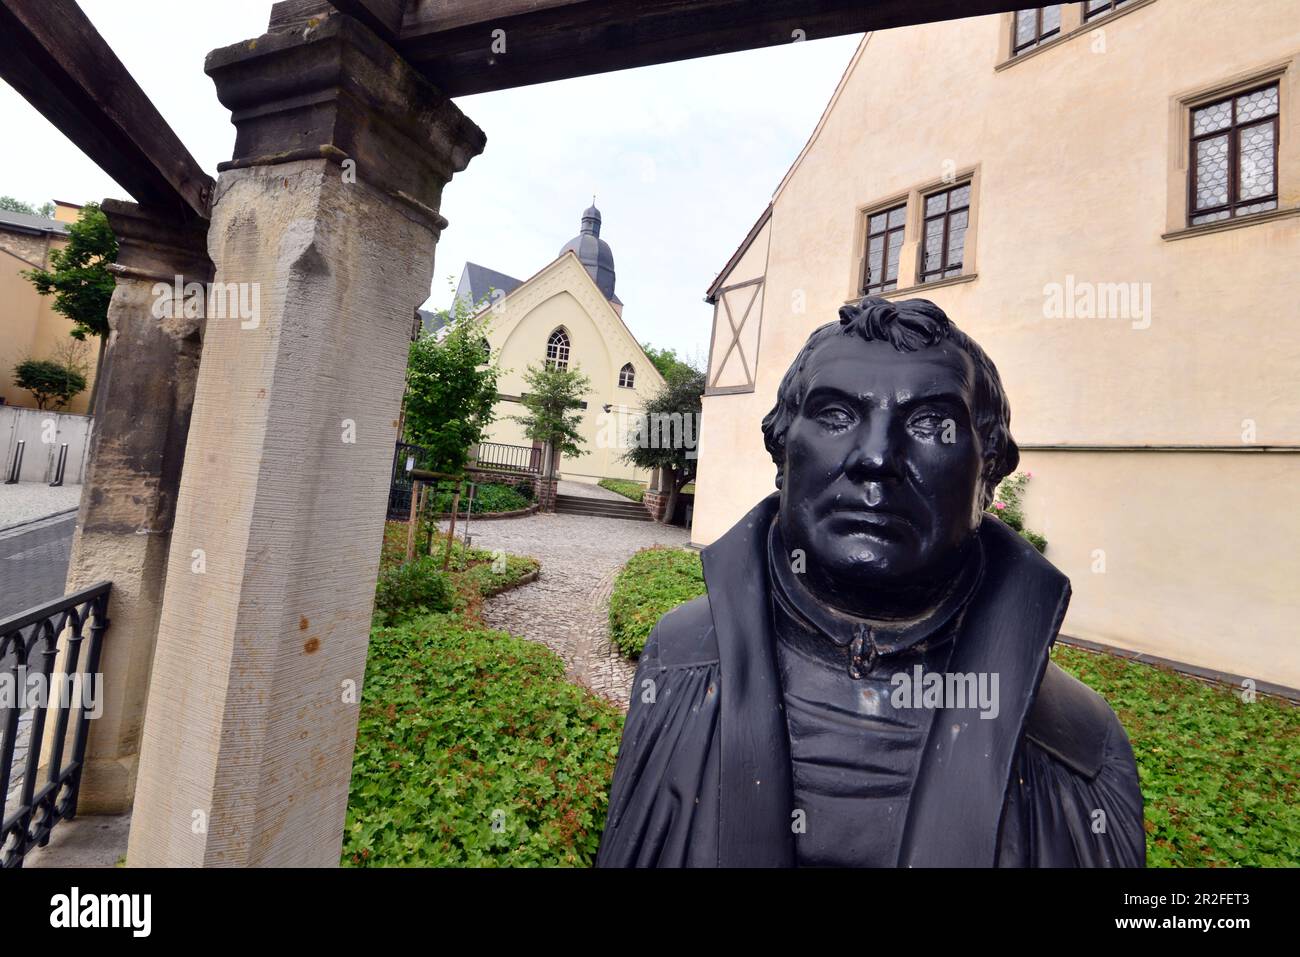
44	433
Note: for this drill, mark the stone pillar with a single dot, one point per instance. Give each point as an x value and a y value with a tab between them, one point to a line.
142	415
326	220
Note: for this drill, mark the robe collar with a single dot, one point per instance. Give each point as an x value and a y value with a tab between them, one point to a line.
955	813
869	640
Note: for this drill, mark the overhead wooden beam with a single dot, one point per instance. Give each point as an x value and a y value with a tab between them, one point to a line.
54	57
452	43
382	16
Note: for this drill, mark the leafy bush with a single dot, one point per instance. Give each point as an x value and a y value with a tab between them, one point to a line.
50	382
1007	506
473	750
653	581
403	590
487	499
625	487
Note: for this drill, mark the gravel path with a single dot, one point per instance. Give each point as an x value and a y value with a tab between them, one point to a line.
567	608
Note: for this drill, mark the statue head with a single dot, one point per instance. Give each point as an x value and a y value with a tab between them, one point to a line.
890	433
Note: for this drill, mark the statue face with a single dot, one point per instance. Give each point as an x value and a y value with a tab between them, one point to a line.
882	478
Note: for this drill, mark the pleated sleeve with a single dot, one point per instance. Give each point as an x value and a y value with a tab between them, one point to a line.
1059	817
663	804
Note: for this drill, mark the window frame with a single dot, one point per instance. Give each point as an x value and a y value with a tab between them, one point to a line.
559	362
1110	7
630	371
1018	49
924	277
865	288
1233	131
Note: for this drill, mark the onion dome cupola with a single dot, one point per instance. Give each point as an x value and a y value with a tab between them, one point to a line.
594	253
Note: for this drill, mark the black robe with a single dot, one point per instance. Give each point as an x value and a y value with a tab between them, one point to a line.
703	776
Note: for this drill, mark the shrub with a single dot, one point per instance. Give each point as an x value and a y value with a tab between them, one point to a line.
487	499
473	750
49	381
1007	506
629	489
654	581
403	590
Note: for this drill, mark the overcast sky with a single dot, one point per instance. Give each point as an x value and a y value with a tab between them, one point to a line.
682	158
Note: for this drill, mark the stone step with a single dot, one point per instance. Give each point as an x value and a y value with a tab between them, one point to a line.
565	507
602	508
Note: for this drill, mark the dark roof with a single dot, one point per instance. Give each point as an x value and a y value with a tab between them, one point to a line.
431	321
27	223
594	253
478	282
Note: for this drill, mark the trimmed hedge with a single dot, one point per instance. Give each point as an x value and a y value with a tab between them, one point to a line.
625	487
652	582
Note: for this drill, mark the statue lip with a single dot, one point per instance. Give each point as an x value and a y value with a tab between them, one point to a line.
870	514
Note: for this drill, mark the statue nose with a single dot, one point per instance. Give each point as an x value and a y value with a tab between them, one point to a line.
874	456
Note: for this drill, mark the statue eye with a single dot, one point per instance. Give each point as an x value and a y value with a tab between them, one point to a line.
927	421
834	418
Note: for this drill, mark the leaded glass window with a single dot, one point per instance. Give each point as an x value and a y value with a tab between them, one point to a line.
1032	27
884	242
1233	156
943	235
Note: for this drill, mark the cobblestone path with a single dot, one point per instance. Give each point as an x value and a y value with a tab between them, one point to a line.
567	608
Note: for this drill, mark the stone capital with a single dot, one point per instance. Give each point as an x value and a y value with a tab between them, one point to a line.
333	89
154	245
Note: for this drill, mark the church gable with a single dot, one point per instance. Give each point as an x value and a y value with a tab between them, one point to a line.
563	294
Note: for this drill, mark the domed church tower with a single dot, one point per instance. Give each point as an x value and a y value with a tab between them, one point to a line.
594	253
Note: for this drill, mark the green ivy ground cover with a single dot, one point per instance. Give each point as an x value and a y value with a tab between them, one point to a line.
472	748
625	487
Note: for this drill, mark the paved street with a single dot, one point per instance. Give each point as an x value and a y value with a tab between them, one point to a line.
34	562
567	608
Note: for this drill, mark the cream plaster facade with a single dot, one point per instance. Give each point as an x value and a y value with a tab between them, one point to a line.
1165	442
563	295
29	326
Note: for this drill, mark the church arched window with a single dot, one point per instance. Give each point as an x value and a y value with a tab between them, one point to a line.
557	350
627	377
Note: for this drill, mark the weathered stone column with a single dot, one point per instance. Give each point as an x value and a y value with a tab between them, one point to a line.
142	415
326	222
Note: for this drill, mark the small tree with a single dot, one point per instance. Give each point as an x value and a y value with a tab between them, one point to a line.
667	361
553	401
79	278
49	381
668	435
451	382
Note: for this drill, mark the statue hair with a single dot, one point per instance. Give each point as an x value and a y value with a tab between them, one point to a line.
909	326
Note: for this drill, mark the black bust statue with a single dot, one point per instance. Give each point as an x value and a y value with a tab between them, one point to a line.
867	682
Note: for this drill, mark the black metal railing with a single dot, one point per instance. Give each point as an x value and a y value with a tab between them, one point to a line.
405	458
509	458
29	647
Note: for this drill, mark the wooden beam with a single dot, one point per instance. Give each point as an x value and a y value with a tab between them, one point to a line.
452	43
382	16
54	57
